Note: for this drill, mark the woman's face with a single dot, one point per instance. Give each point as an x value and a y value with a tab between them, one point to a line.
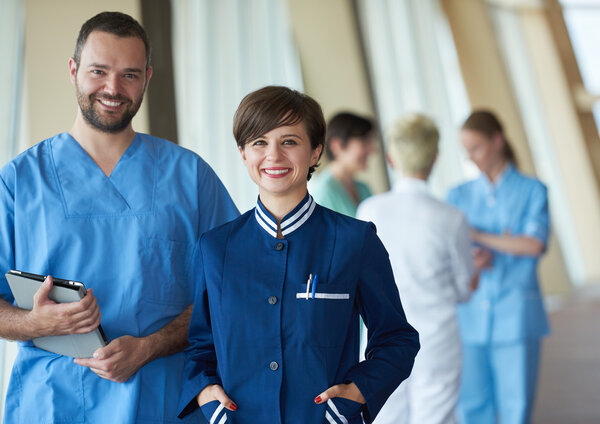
484	151
354	155
278	162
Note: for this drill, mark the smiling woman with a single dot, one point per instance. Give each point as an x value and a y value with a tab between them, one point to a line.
281	319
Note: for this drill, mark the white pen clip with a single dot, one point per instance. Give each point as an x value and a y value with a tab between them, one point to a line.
308	283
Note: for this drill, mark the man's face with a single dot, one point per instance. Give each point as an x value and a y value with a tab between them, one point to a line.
110	80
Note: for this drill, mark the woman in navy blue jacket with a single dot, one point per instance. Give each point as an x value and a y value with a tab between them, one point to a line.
274	336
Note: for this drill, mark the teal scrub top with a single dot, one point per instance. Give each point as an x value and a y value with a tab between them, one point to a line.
329	192
507	306
130	237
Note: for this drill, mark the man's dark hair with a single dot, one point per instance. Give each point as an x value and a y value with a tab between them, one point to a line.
115	23
346	125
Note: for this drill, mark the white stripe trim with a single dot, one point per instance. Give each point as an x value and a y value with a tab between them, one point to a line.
297	215
223	419
216	413
301	221
265	226
323	296
329	417
334	409
266	218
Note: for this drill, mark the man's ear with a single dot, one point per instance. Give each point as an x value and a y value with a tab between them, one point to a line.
72	70
148	76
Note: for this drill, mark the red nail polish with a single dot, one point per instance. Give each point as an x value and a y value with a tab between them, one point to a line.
233	406
318	399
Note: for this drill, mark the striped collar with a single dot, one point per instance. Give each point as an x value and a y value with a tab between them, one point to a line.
290	223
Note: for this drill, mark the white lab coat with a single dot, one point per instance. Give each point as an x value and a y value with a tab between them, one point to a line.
430	250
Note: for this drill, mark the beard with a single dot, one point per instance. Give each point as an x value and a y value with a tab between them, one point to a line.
113	123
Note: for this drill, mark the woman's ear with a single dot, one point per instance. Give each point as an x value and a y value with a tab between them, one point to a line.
242	153
315	155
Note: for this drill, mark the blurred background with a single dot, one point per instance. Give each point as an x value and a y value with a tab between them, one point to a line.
535	63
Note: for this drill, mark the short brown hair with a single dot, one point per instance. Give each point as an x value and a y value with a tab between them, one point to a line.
275	106
345	126
115	23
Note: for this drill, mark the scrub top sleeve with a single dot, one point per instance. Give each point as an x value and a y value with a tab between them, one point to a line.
461	259
453	197
200	368
7	238
392	343
217	206
537	221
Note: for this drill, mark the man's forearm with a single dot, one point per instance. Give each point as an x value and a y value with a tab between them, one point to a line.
14	323
170	339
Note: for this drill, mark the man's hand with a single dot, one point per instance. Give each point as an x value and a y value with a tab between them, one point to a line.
346	391
118	360
48	318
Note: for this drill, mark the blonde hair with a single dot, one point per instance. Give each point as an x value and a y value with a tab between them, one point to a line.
412	143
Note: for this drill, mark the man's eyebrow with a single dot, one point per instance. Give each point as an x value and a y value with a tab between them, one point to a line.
128	70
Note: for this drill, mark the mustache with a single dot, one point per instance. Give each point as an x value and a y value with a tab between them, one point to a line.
115	98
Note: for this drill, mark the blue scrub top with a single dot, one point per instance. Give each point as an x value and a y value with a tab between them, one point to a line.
254	332
507	306
130	237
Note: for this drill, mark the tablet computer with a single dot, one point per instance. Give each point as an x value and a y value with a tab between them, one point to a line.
24	285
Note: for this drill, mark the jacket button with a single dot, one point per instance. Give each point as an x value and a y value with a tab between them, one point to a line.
272	300
279	246
274	366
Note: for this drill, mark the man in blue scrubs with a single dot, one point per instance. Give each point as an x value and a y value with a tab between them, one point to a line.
120	211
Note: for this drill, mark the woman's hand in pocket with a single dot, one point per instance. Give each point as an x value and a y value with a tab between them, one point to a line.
215	392
346	391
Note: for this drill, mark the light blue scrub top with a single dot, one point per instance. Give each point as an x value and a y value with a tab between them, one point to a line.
130	237
273	350
329	192
507	306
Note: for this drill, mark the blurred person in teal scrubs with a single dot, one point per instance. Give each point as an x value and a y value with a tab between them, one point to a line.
120	211
503	323
350	142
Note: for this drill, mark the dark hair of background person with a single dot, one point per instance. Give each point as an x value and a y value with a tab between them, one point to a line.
487	123
275	106
115	23
346	125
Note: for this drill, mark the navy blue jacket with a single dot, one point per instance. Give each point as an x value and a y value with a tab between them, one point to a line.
255	332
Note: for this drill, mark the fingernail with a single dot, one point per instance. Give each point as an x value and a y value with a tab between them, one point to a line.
233	406
318	399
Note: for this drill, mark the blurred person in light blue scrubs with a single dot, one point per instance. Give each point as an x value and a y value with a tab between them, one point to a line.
120	211
349	143
503	323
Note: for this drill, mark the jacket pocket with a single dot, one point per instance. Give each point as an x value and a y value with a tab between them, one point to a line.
326	318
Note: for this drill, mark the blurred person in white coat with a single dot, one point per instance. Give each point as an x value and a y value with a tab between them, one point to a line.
430	250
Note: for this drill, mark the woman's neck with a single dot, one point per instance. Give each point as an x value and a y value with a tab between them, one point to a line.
496	171
280	206
340	173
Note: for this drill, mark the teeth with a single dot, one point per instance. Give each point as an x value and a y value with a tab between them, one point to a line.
109	103
276	171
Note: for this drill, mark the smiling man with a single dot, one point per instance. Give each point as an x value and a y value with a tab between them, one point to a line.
122	212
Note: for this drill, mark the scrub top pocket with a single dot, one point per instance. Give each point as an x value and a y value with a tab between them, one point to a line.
166	261
324	319
342	411
214	412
